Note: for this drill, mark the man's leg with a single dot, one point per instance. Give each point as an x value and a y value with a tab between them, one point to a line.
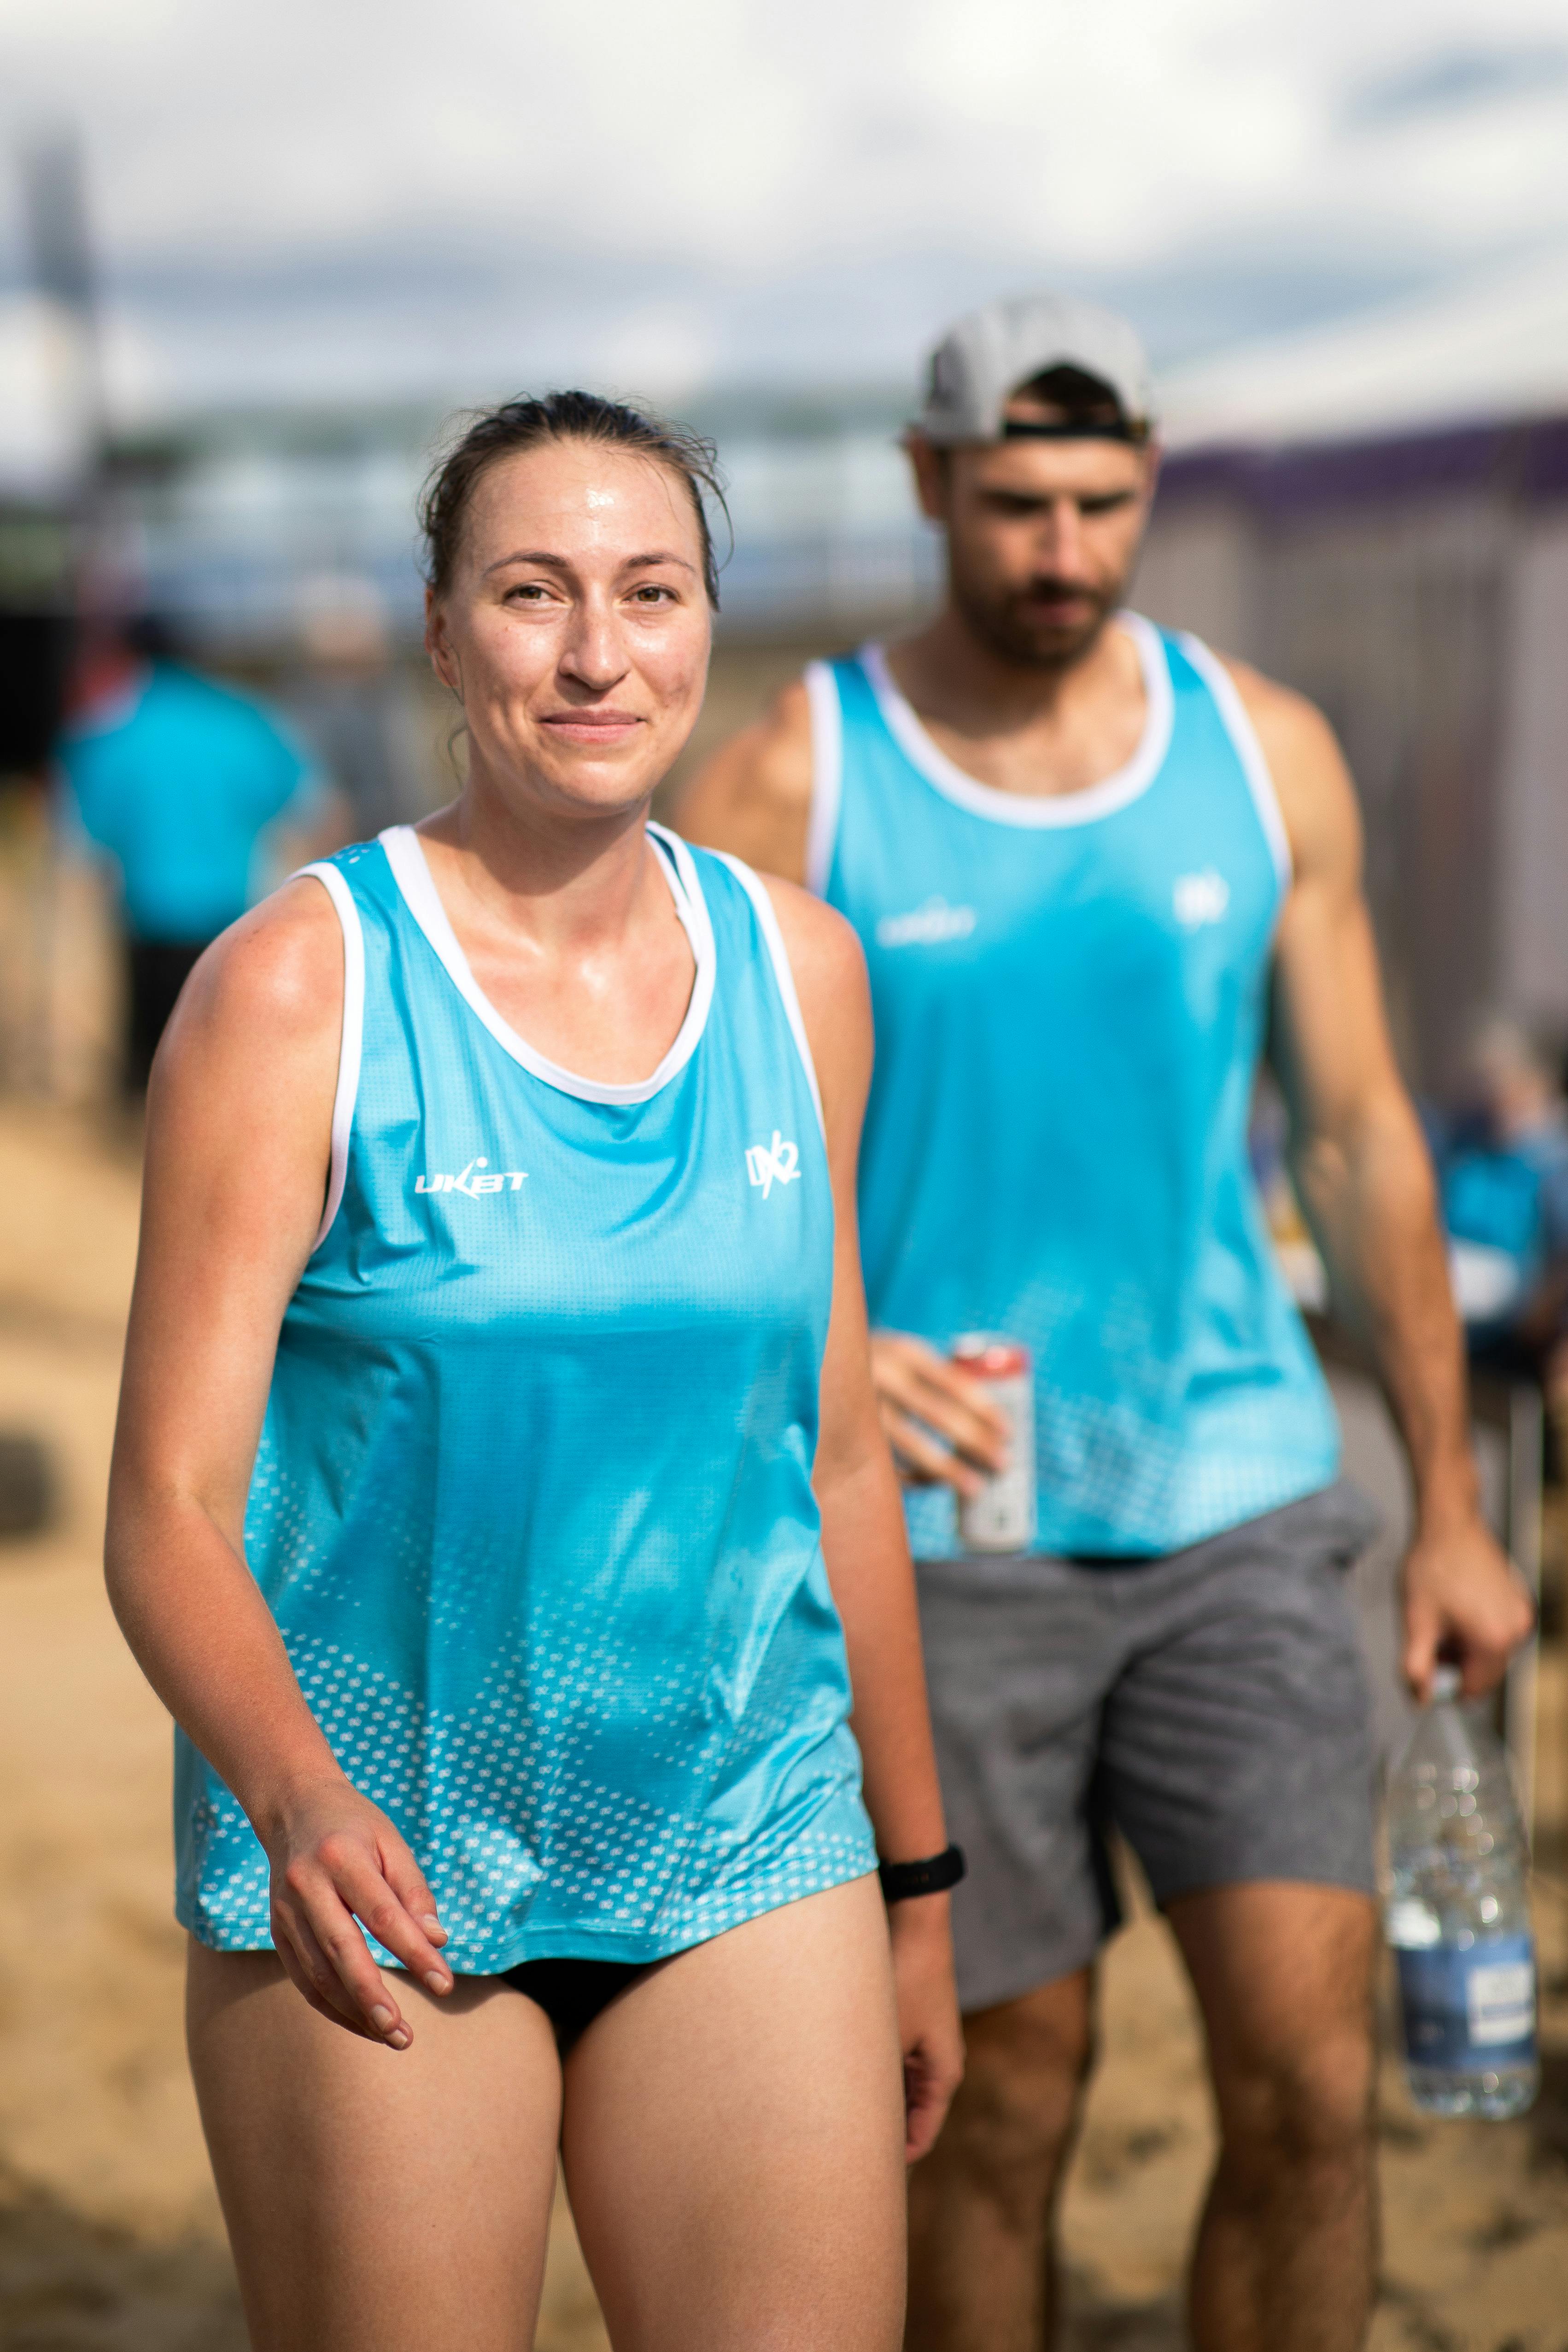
982	2204
1285	2257
1020	1652
1237	1760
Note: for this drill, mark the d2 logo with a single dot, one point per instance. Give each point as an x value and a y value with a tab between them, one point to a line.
768	1164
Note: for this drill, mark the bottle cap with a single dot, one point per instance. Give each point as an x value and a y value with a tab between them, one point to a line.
1447	1681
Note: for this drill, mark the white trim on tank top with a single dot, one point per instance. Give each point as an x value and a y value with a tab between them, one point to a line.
827	773
756	890
1030	810
1249	750
351	1042
422	901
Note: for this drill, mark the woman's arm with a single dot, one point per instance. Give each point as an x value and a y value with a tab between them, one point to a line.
238	1145
863	1536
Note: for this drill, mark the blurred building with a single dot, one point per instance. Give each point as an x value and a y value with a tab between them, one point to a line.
234	514
1378	513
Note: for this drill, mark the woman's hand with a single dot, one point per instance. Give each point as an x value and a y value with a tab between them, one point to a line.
930	2033
337	1861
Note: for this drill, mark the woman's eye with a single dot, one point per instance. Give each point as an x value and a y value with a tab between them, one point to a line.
652	593
530	592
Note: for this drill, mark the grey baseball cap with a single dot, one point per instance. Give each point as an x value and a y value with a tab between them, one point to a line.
983	361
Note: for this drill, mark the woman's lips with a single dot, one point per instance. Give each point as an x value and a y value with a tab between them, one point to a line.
592	726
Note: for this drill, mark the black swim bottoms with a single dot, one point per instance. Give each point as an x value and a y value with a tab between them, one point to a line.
572	1993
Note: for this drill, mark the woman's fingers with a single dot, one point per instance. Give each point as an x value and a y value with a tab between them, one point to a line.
934	2069
312	1975
340	1874
407	1882
929	2032
362	1883
926	2102
324	1910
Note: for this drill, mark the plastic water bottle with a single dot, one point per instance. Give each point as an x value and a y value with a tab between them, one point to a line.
1458	1916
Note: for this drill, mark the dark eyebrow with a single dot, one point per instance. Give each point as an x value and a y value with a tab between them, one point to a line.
541	556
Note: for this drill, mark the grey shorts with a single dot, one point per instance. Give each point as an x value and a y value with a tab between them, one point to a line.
1211	1705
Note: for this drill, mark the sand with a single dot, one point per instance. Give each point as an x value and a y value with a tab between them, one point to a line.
110	2235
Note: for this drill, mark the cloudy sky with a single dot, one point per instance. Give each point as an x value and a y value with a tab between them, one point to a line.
334	198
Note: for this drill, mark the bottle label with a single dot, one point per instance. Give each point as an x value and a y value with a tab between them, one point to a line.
1473	2010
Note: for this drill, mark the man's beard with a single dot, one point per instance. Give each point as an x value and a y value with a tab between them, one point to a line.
1012	627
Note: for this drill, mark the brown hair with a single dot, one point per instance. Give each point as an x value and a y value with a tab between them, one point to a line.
523	424
1087	405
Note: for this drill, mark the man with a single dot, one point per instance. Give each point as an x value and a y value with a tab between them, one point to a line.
1089	864
177	780
1503	1175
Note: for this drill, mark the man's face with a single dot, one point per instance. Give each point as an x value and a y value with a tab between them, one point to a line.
1042	536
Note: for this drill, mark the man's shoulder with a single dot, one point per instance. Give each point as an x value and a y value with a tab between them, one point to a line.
1282	718
1306	767
773	754
753	794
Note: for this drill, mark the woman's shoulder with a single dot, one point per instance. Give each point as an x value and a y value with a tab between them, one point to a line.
273	979
822	949
828	969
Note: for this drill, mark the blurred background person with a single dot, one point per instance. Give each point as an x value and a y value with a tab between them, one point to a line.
358	710
195	793
1503	1166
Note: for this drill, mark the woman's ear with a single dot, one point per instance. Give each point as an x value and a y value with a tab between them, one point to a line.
438	644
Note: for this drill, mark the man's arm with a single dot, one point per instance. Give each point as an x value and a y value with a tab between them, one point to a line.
753	797
1365	1185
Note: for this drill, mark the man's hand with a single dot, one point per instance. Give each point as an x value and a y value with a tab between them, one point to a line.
1464	1600
915	1386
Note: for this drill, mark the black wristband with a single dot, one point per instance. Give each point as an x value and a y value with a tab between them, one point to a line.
901	1880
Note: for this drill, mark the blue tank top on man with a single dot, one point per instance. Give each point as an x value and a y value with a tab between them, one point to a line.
532	1504
1069	996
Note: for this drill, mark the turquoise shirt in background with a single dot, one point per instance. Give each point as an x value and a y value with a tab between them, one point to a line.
1069	996
532	1505
1512	1196
178	782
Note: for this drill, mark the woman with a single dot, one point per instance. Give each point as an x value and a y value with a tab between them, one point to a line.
498	1303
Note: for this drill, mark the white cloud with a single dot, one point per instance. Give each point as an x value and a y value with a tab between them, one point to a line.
359	169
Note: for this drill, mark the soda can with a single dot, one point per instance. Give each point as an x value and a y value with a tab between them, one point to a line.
1001	1518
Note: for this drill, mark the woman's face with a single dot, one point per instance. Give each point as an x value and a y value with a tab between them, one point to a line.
576	631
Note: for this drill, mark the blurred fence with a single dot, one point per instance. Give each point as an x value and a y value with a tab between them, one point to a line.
1417	587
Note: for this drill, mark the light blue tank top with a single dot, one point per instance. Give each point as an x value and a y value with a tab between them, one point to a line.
533	1503
1069	997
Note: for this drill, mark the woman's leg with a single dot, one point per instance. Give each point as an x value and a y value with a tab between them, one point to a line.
377	2201
733	2141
